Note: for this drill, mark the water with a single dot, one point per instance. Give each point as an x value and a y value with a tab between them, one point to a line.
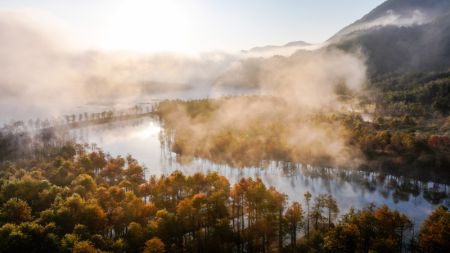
142	138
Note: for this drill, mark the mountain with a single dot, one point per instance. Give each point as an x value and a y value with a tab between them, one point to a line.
397	37
272	47
397	13
401	36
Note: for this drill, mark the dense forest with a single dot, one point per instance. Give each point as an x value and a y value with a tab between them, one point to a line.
417	94
73	198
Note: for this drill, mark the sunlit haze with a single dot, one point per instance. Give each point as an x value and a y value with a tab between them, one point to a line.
195	26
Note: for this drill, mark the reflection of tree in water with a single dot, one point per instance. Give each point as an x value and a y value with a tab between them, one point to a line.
20	142
435	195
398	187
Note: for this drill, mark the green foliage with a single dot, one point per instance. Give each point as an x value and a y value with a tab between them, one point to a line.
421	93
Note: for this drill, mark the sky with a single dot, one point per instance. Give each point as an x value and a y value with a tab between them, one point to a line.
194	25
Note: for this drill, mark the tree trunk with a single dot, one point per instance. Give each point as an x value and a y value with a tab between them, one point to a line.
307	222
280	230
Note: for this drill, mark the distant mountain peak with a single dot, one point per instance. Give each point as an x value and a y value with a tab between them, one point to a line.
271	47
297	43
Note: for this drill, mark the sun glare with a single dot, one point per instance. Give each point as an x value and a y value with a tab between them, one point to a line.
149	26
151	130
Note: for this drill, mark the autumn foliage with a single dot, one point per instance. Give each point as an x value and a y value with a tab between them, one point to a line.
92	202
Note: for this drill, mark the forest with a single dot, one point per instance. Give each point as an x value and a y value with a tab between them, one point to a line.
75	198
57	195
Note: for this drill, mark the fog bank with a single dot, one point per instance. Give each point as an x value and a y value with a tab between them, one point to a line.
41	73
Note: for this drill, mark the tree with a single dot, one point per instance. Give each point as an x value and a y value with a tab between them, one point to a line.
113	170
238	201
390	227
134	236
294	220
317	211
134	172
28	237
154	245
16	211
342	239
279	201
84	184
98	160
333	210
187	216
84	247
434	235
307	196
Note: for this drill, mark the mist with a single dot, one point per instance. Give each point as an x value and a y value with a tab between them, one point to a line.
298	96
415	17
40	75
406	18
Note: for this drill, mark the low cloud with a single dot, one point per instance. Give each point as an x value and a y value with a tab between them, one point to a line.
41	74
391	18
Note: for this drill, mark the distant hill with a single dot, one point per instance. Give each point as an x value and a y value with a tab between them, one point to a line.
272	47
401	36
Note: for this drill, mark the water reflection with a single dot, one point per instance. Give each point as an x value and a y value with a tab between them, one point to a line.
146	140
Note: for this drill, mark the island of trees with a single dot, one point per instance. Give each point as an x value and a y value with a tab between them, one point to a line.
400	124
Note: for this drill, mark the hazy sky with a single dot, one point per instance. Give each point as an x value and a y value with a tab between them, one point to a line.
195	25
